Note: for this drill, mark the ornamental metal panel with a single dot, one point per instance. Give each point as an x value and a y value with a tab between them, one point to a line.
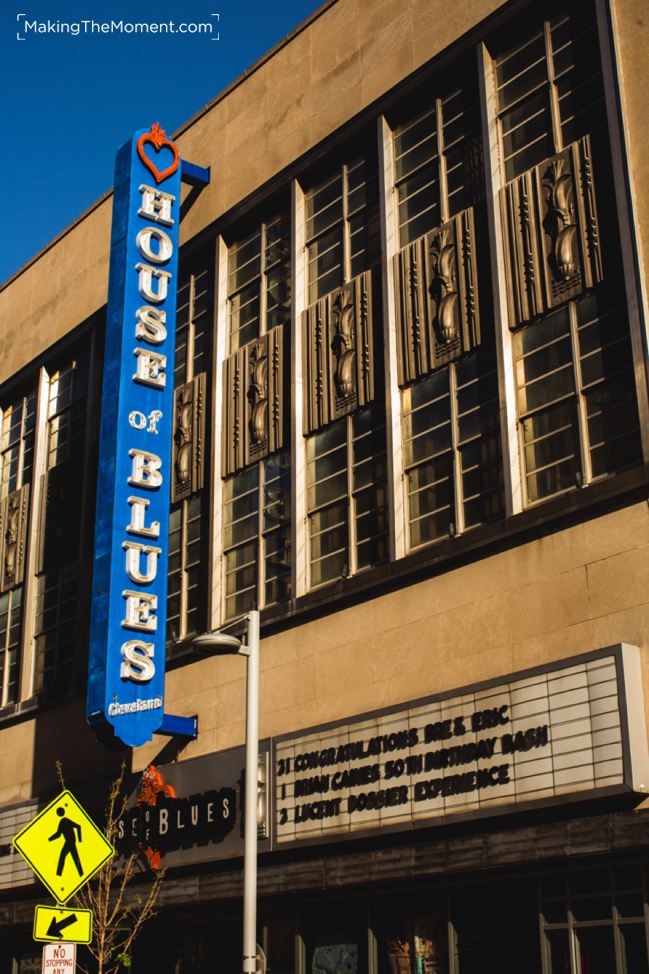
188	468
437	298
129	589
13	537
339	353
551	233
253	387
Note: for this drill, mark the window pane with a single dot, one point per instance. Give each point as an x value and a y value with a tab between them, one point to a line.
329	569
324	206
326	210
551	451
10	639
596	949
277	528
331	492
244	262
241	540
417	163
17	444
558	951
278	297
325	264
546	392
524	105
634	948
415	143
577	70
518	59
67	412
429	458
369	487
252	272
278	239
419	205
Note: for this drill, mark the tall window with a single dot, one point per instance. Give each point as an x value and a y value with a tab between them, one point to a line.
257	499
17	444
437	160
346	496
346	462
187	528
259	280
257	541
451	439
550	89
57	593
342	225
576	402
10	638
577	410
17	431
452	450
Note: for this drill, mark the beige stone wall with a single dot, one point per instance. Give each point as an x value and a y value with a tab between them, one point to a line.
29	750
575	590
570	592
352	53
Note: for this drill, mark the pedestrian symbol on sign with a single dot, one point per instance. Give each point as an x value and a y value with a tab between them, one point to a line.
68	831
63	846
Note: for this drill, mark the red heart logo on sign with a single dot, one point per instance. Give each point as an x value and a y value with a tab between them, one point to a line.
157	138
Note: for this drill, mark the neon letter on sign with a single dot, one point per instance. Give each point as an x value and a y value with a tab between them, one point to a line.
129	597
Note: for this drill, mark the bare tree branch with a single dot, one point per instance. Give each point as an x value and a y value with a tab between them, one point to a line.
119	913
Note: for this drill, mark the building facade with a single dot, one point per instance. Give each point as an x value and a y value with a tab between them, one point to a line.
410	426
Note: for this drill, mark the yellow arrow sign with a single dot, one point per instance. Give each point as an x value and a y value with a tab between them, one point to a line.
63	846
54	923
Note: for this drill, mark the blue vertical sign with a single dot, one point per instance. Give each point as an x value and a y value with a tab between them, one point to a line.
129	591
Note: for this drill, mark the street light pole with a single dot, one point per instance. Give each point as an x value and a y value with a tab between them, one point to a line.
252	797
220	642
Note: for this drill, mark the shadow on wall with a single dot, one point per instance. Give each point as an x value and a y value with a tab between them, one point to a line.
62	733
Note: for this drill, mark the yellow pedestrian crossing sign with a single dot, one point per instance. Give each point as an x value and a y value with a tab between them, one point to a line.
63	846
58	924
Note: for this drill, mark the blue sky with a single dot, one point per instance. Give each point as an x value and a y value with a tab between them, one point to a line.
68	102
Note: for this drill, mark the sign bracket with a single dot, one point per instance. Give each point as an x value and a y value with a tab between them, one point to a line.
194	175
174	726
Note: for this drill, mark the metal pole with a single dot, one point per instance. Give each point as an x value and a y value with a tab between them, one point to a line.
250	829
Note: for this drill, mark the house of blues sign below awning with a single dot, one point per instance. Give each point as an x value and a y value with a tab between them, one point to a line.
127	639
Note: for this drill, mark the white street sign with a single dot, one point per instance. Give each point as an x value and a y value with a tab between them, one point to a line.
59	958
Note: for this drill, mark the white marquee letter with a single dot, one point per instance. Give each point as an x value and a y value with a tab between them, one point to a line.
140	611
150	325
137	526
165	246
138	662
145	282
134	551
146	469
156	205
150	368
